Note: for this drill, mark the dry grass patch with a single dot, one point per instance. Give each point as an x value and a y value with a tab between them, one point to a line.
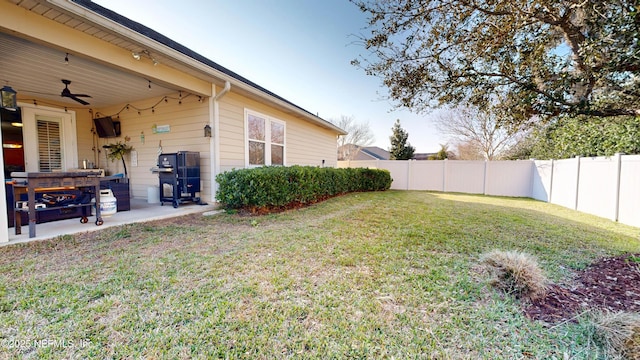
617	333
516	273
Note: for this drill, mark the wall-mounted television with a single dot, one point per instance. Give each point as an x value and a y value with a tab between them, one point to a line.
106	127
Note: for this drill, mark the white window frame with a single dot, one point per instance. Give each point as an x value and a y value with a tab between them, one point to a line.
67	135
267	148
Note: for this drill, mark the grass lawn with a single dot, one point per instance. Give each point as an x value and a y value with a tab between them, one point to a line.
369	275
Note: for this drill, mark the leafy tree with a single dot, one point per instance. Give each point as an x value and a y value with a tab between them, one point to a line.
579	136
544	58
443	153
358	135
400	148
477	132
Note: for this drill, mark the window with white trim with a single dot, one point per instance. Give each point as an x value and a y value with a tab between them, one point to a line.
49	145
265	144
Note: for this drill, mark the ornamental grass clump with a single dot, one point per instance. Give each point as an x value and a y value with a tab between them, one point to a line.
516	273
617	333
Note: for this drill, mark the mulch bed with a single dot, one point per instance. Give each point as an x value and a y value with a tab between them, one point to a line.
611	284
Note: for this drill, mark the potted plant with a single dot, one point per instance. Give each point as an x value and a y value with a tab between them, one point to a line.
118	150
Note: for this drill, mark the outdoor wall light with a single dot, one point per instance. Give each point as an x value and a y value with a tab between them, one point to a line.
137	55
8	96
207	131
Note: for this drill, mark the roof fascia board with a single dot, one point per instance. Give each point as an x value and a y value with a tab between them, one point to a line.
29	25
78	10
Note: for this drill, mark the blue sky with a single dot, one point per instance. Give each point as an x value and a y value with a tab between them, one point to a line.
299	49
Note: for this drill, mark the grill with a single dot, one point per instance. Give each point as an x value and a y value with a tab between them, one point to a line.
179	176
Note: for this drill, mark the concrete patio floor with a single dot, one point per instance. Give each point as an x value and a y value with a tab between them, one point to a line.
141	211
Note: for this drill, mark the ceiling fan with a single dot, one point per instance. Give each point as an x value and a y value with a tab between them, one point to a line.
67	93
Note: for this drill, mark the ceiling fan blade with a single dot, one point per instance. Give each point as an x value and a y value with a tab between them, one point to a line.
67	93
78	100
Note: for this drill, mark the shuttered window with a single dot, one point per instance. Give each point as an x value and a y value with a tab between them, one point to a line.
49	145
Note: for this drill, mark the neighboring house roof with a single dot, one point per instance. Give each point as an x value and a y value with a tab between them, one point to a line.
375	152
161	39
423	156
347	151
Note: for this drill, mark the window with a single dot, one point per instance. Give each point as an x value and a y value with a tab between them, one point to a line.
265	140
49	139
49	145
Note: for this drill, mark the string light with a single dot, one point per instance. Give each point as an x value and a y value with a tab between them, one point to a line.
125	107
149	85
66	59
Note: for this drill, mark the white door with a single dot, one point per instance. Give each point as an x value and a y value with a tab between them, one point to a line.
50	142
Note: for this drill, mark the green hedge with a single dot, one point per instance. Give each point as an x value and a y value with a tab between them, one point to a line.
278	186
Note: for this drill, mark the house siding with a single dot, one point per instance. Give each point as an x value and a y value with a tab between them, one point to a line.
186	122
306	143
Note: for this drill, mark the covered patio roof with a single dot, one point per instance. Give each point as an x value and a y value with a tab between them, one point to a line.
100	58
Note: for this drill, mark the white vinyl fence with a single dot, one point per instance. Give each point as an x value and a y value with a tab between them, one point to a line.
604	186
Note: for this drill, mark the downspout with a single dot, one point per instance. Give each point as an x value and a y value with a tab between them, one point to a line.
214	145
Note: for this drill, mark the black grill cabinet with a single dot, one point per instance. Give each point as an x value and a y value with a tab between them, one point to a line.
179	175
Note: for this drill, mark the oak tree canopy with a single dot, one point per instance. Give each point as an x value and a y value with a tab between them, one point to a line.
540	58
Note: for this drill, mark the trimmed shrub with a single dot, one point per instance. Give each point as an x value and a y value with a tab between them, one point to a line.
278	187
516	273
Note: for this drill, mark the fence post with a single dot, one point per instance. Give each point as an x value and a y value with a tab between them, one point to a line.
577	183
553	165
618	177
409	174
444	175
484	179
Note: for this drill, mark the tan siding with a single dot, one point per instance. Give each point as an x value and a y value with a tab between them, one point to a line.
231	132
306	143
84	123
186	121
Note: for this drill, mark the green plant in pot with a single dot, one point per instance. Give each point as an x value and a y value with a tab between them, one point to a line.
118	150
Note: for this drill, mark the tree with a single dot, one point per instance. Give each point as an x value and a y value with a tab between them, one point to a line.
469	150
544	58
567	137
477	132
443	153
400	148
358	135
